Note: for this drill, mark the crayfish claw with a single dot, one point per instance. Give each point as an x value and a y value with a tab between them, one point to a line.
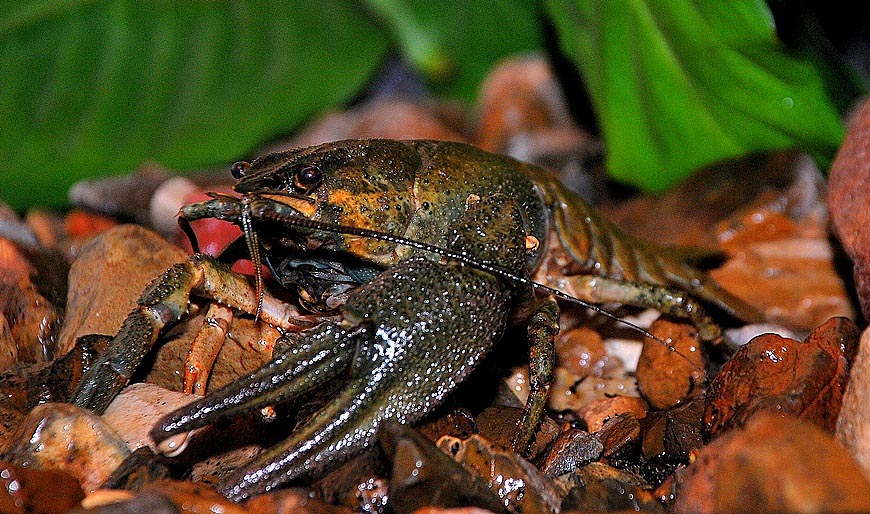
294	371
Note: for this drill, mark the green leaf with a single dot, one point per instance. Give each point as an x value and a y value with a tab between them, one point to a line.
680	84
456	42
99	87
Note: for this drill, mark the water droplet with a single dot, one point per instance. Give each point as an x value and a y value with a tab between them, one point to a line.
787	102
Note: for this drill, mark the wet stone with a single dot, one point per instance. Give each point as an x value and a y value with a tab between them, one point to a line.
457	423
597	413
581	351
66	438
783	265
572	449
357	483
668	373
774	464
849	201
423	475
292	501
602	488
499	425
805	379
28	323
23	388
853	424
248	345
521	487
108	277
25	491
151	502
167	496
675	433
138	408
573	392
619	434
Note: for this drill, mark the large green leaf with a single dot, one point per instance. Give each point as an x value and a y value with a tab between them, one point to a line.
678	84
455	42
97	87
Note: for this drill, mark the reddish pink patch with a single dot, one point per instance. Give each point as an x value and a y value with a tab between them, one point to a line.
85	224
213	235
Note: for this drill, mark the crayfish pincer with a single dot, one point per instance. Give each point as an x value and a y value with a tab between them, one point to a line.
408	260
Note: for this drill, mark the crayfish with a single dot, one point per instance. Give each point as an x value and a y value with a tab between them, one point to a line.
410	258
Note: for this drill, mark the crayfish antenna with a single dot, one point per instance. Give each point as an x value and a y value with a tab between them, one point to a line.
184	224
253	243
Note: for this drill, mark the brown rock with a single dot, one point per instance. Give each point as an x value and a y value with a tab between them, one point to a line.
424	475
499	423
853	424
581	351
514	480
619	434
460	510
573	392
380	119
774	464
24	491
8	346
573	449
25	387
667	374
358	483
190	497
603	488
291	501
784	268
849	200
696	204
64	437
138	408
248	345
774	373
457	423
597	413
28	320
520	96
674	433
107	278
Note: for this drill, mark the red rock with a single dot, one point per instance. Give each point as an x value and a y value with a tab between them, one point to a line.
668	373
853	424
775	373
849	200
774	464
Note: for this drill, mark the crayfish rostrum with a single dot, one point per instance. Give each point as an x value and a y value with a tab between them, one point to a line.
411	258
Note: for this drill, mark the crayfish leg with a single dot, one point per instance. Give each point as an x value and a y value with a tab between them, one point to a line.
667	300
164	303
543	328
205	347
335	433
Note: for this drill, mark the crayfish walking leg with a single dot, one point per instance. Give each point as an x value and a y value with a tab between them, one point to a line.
543	328
164	303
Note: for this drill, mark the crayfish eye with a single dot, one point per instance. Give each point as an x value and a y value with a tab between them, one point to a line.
308	177
240	169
